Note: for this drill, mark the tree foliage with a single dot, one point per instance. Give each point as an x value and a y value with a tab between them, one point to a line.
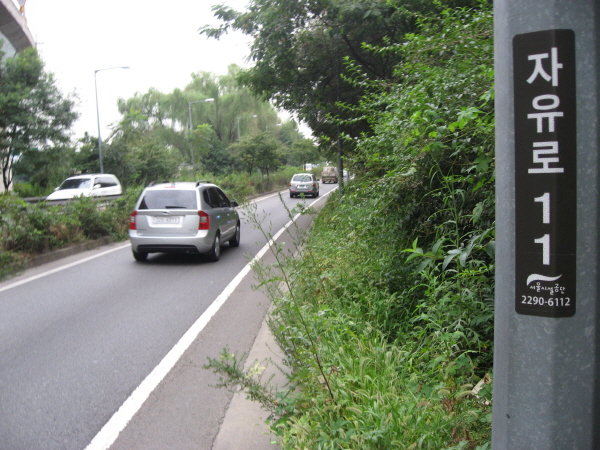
300	48
302	151
187	131
259	151
137	154
34	114
230	102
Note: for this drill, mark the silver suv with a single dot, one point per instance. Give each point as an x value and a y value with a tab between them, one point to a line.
183	217
304	183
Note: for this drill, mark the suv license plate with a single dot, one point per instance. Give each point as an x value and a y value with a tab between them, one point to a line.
166	220
301	186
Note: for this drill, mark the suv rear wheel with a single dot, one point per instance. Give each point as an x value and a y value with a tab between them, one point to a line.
215	251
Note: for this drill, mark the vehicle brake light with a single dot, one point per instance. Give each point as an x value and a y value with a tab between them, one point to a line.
204	221
132	223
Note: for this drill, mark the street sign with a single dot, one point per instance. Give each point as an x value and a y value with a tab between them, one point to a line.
545	173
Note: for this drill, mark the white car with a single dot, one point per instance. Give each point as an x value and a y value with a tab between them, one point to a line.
88	185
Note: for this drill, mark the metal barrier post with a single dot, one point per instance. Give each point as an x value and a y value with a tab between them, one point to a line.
546	380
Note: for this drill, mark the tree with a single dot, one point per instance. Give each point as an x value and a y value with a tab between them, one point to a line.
137	154
34	115
44	170
200	140
189	130
230	105
302	151
258	151
86	158
300	48
220	161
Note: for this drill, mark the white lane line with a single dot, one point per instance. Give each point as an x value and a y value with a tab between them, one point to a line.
117	423
58	269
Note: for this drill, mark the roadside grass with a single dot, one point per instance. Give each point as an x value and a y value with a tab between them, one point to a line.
362	376
384	310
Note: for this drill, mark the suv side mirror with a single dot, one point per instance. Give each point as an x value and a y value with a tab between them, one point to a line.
234	204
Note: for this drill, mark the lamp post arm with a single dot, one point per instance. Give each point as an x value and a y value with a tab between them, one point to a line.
98	119
98	112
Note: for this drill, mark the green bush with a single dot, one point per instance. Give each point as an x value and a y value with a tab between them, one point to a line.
405	262
30	229
26	190
35	229
85	211
240	185
115	214
386	319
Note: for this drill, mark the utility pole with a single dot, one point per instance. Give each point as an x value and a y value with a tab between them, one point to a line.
547	335
100	158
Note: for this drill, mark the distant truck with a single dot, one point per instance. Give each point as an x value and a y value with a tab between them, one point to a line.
329	175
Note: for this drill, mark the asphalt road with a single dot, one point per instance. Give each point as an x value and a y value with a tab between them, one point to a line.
79	335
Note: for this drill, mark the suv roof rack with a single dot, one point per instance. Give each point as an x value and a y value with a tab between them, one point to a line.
153	183
198	183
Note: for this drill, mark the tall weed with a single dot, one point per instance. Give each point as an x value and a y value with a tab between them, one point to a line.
387	319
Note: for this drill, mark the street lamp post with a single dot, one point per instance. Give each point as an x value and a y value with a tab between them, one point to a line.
238	123
190	119
98	112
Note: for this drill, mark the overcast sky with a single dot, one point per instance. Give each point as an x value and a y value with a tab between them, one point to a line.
158	40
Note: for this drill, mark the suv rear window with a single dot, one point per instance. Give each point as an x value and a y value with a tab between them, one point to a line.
303	178
169	199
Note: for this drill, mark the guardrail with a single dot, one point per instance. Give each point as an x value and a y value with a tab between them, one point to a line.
34	200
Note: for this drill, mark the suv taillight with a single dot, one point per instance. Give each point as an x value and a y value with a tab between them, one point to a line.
204	221
132	224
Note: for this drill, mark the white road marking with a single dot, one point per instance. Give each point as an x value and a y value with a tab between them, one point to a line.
117	423
58	269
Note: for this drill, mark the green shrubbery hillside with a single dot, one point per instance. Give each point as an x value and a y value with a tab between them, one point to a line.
386	318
